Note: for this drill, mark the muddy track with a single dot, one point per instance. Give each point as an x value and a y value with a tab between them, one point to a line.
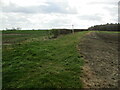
100	52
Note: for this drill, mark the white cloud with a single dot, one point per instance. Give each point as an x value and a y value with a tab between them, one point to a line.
47	7
57	13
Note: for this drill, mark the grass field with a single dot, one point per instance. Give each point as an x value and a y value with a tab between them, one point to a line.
13	37
31	61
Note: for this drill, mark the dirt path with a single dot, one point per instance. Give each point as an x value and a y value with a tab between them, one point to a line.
100	52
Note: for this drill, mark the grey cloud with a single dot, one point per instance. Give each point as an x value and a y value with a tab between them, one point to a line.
90	17
104	3
10	20
58	22
119	12
14	19
112	10
51	7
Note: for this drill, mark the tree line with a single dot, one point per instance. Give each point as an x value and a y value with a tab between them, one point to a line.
106	27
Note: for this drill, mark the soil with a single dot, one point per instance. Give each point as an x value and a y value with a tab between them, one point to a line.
14	34
100	53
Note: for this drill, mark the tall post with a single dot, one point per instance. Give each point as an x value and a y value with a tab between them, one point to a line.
73	29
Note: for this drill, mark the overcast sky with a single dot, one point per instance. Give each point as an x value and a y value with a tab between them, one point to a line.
45	14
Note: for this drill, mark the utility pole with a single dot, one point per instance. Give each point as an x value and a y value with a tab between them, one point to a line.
73	29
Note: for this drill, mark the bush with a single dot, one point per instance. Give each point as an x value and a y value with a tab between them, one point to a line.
55	32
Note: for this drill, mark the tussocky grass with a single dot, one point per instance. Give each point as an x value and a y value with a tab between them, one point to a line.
53	63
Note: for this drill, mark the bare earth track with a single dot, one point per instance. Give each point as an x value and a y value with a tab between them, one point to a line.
100	52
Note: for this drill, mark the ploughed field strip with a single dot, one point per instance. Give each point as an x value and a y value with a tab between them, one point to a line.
100	52
17	37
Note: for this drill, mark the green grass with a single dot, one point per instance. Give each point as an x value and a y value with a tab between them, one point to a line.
53	63
108	31
13	37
